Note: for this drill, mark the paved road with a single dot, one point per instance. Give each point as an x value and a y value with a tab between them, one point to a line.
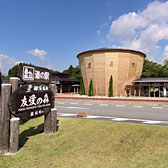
143	112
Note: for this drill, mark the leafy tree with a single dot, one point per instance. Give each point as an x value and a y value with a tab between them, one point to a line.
111	87
73	72
82	89
165	68
91	88
4	77
151	70
69	71
13	72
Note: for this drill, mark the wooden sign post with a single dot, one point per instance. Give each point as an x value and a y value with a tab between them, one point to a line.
32	100
14	135
5	118
14	122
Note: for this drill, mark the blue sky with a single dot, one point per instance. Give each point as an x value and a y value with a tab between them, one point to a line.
50	33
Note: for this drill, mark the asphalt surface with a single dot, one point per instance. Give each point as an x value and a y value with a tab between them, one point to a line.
117	111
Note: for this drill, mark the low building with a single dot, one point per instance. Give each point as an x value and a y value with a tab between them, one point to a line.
63	83
150	87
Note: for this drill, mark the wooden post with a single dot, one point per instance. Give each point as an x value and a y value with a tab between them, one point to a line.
61	87
5	118
50	119
14	135
55	88
50	122
14	81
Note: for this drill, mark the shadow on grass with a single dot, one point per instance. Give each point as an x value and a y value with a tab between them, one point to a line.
24	136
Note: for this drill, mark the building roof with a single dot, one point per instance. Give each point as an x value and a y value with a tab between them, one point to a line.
64	79
151	80
112	50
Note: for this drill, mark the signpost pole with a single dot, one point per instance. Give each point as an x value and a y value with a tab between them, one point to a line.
14	135
5	118
55	88
50	119
50	122
14	81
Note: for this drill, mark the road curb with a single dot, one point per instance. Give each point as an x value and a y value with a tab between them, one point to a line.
111	99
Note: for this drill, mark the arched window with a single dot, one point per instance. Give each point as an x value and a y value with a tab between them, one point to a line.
133	65
89	65
111	63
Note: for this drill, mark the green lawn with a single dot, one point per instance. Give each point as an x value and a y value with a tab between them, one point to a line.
90	144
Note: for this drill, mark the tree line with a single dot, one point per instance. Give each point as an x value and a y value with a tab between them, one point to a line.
150	70
154	70
71	72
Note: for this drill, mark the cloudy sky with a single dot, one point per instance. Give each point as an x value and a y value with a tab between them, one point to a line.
50	33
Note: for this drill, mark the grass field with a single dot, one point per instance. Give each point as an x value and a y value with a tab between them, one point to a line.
90	144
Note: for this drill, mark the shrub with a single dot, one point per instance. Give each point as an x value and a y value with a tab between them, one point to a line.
91	88
82	88
111	87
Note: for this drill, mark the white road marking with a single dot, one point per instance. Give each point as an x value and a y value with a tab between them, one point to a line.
88	104
103	104
152	122
119	119
66	115
77	108
116	118
157	107
60	103
120	105
73	103
138	106
80	108
140	120
89	116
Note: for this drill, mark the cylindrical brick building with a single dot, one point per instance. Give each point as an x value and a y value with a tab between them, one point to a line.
99	65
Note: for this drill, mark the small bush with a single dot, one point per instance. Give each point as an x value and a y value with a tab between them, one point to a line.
111	87
82	88
91	88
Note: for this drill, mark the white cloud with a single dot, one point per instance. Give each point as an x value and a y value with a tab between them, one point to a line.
165	53
98	32
6	63
38	53
142	30
104	25
41	54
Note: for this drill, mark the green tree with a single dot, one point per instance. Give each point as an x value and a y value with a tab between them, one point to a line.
82	89
111	87
13	72
4	77
76	73
91	88
73	72
151	70
165	68
68	71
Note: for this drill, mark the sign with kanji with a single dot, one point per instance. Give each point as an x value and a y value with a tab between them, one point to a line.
31	101
33	74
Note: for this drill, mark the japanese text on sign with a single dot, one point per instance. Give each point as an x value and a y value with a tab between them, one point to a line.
29	73
33	102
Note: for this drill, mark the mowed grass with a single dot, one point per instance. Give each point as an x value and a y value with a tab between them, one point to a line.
90	144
